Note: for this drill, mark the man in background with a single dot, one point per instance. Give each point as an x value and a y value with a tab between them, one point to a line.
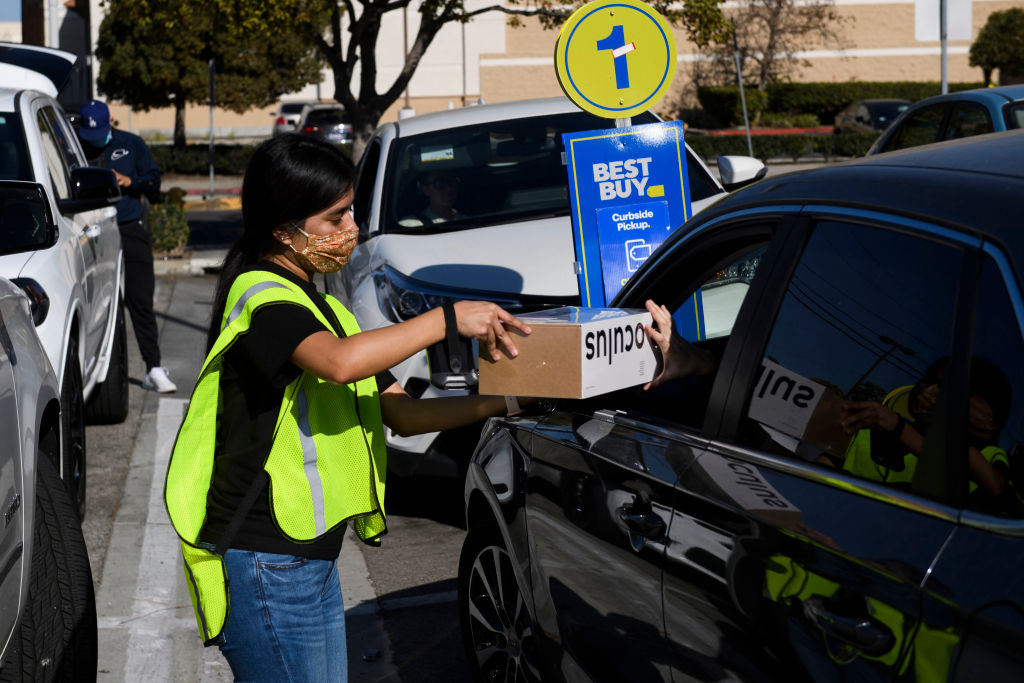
139	178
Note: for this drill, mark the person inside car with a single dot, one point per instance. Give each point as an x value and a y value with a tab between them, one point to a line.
441	189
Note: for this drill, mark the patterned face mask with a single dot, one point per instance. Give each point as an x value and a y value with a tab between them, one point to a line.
327	253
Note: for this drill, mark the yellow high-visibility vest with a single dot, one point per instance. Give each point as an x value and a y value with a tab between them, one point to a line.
326	465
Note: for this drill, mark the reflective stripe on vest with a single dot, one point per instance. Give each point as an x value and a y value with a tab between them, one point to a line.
326	464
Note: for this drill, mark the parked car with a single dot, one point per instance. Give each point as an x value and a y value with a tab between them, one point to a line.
47	605
713	528
287	117
328	122
75	281
868	116
510	241
953	116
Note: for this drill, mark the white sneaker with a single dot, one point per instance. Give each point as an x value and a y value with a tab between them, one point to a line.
157	380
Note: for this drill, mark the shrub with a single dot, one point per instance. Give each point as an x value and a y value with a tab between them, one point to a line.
771	119
724	105
169	228
825	100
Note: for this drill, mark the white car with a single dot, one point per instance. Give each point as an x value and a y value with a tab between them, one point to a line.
47	603
495	225
75	281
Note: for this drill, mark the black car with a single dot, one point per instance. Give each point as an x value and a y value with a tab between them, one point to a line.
728	527
868	116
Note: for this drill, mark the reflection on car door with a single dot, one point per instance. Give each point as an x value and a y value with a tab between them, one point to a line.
598	509
823	572
11	534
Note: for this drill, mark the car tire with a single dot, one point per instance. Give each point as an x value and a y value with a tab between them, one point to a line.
497	628
109	402
72	415
56	639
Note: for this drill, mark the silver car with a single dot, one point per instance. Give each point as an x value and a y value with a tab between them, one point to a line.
47	604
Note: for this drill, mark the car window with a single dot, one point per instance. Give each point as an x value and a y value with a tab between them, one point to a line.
920	128
14	161
857	353
488	173
292	107
996	406
711	311
968	119
1014	115
54	152
327	116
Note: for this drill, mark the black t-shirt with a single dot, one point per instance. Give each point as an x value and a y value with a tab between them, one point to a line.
255	372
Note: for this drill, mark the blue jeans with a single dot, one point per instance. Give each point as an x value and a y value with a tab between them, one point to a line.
286	620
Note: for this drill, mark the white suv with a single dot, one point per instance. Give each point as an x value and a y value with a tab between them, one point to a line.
496	226
75	282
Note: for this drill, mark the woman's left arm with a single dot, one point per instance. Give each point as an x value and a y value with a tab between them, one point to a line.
408	416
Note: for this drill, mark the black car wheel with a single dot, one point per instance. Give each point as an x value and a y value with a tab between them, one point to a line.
72	411
56	639
109	402
497	629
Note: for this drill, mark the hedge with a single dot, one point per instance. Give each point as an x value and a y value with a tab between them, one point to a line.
195	159
823	100
793	146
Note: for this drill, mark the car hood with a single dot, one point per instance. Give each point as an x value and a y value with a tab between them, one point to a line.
526	259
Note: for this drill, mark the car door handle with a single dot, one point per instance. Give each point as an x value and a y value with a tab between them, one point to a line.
867	635
643	522
93	231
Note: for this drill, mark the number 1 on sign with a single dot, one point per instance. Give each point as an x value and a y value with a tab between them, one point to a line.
616	42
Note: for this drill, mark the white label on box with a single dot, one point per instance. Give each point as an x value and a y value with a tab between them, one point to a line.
616	353
783	399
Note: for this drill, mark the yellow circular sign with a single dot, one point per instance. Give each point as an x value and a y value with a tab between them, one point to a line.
615	58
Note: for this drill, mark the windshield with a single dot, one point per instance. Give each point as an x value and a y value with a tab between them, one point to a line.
13	155
326	116
491	173
885	112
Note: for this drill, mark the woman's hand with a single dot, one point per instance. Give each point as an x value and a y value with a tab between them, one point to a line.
487	323
868	415
680	358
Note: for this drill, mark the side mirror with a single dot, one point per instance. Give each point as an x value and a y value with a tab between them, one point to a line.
91	188
26	222
737	171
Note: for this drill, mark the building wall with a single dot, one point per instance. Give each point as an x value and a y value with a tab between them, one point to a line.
495	62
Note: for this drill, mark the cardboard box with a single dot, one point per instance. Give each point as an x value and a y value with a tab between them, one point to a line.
574	352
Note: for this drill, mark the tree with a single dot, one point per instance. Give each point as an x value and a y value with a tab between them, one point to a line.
155	53
1000	45
769	36
321	21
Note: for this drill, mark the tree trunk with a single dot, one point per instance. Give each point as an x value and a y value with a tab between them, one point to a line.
179	121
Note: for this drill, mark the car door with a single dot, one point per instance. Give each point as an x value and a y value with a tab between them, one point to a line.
98	241
973	623
822	566
598	506
12	535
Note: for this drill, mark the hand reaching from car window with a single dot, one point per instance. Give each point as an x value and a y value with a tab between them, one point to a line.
680	358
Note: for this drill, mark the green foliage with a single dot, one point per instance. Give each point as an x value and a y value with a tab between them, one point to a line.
773	119
825	100
999	42
169	227
724	104
155	53
195	159
791	146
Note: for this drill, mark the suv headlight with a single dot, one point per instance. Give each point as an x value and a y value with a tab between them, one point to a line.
401	297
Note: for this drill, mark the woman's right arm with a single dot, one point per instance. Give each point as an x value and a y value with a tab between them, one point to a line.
368	353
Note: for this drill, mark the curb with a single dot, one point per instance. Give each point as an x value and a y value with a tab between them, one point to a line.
192	263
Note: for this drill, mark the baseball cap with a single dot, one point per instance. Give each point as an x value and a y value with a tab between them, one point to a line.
94	125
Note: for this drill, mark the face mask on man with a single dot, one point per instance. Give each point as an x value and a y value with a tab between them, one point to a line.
326	253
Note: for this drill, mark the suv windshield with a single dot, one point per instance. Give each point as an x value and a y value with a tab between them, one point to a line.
491	173
14	161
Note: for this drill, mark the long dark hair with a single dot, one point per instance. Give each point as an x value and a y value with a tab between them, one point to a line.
289	178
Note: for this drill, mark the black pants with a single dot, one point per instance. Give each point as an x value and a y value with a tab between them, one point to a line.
139	283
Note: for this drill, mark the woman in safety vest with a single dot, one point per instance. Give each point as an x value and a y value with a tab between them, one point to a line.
282	446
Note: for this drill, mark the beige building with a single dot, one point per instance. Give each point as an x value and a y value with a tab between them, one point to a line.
881	40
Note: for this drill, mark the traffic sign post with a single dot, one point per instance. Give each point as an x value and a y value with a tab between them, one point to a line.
628	189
